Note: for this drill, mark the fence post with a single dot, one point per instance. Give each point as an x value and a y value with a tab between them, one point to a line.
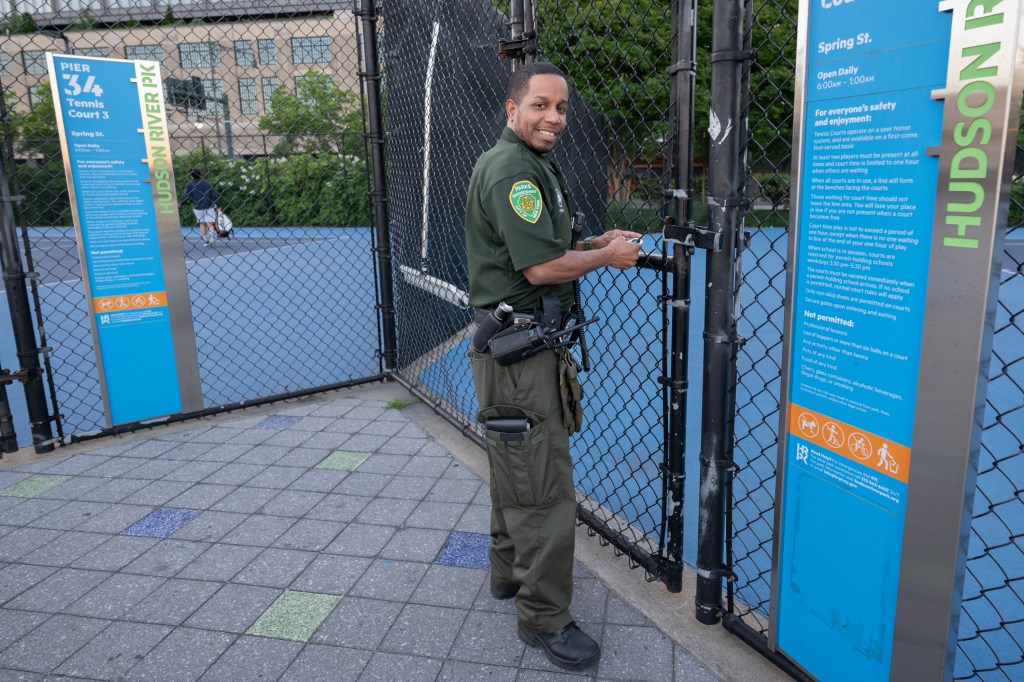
725	214
367	11
21	316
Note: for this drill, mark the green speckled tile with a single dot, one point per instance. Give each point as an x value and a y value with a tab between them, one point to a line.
343	461
295	616
33	485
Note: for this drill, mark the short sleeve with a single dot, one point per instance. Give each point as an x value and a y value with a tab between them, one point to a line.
523	221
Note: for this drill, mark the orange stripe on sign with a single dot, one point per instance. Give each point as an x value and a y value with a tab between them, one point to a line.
871	450
113	304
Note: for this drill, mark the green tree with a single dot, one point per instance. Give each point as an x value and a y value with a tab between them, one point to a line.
37	128
315	119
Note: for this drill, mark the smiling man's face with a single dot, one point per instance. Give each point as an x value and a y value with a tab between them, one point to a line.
539	119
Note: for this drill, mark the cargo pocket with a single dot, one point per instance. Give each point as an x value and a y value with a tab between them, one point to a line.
524	467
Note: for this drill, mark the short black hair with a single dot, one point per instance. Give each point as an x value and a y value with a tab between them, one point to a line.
519	84
195	173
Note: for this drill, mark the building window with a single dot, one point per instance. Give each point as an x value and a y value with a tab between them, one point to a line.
199	55
34	61
212	91
249	104
268	51
270	85
92	52
316	50
243	53
150	53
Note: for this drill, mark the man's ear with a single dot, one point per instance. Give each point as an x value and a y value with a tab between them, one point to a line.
510	108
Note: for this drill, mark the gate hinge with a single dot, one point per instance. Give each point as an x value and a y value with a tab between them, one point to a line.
687	65
724	572
727	465
679	304
679	385
673	478
688	234
514	48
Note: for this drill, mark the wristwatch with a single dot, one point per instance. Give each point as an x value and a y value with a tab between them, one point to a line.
588	244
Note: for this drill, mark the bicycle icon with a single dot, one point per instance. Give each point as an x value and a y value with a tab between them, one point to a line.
860	446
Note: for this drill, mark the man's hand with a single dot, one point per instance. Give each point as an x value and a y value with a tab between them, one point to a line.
622	254
603	240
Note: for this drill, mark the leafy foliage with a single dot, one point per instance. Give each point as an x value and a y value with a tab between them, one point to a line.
315	119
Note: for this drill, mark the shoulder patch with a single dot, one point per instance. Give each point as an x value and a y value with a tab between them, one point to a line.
526	201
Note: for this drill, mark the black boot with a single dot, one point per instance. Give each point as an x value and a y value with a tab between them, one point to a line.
568	648
504	590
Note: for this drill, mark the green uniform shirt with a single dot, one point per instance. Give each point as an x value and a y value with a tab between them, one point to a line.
517	215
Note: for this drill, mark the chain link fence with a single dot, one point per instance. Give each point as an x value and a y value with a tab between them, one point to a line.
444	86
265	101
991	636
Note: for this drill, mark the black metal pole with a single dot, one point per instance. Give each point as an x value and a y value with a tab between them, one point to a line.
8	439
229	139
725	202
683	72
371	75
21	317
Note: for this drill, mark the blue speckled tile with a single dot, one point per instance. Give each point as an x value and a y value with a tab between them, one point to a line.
161	523
468	550
278	421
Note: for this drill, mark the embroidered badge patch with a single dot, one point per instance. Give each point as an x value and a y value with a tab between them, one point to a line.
526	201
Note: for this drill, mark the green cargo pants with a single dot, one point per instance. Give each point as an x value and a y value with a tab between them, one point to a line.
533	499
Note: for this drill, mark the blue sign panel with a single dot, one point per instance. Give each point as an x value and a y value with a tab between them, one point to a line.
117	158
860	272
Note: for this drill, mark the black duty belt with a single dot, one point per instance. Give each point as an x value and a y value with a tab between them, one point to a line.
481	313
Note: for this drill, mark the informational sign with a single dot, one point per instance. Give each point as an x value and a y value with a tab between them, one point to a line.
905	114
113	133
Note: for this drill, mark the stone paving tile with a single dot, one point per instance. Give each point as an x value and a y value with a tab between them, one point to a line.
551	676
319	480
113	490
234	608
360	483
488	638
115	553
483	497
457	472
158	493
220	563
366	411
310	534
329	574
412	431
56	592
343	508
286	438
294	615
187	452
210	526
469	550
432	449
344	426
589	597
78	464
173	602
160	522
253	658
193	472
401	446
201	496
386	512
328	439
115	596
182	436
382	428
408	487
275	568
115	518
440	515
388	667
459	671
430	467
335	408
233	474
634	652
33	485
18	543
156	468
16	578
361	540
486	603
311	423
218	434
256	437
149	448
275	477
65	549
27	511
343	460
358	623
361	443
167	557
263	454
16	624
51	643
277	422
184	655
388	579
415	544
225	452
476	519
260	531
689	669
292	503
245	500
384	464
69	516
454	491
618	612
116	467
114	651
450	586
424	631
304	457
315	660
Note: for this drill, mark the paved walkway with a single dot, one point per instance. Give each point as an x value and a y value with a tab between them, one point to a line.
331	538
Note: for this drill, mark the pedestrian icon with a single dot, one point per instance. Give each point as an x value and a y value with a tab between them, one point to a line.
860	446
886	460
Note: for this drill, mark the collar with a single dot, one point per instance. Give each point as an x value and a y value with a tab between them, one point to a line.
508	135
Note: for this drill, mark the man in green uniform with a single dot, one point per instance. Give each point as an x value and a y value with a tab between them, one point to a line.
518	237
